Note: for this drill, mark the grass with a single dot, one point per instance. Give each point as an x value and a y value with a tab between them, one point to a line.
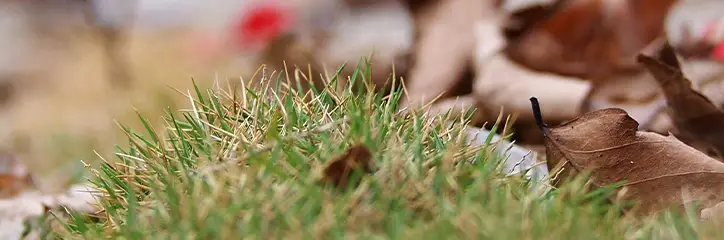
243	162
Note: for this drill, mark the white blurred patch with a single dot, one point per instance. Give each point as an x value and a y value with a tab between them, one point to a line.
387	31
515	5
491	40
517	159
697	16
165	14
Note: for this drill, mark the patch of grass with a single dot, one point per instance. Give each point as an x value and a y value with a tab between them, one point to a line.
246	163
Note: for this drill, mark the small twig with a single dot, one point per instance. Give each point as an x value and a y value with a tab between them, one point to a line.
537	114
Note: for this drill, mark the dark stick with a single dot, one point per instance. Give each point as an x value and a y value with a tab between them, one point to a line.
537	114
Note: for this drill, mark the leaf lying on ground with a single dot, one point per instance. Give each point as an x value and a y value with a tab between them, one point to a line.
500	80
340	171
693	114
593	39
657	169
525	19
427	78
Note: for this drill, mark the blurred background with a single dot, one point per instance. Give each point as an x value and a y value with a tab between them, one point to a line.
70	68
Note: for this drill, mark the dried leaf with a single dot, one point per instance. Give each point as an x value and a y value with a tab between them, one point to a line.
693	113
500	82
428	78
591	39
657	169
641	96
499	79
340	171
526	18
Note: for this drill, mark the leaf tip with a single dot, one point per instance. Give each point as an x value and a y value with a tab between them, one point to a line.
667	54
641	58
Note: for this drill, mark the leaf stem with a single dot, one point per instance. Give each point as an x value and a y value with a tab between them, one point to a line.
537	114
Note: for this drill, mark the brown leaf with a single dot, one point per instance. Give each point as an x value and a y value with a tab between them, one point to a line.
501	82
436	22
498	80
659	171
524	20
591	39
339	172
642	98
693	113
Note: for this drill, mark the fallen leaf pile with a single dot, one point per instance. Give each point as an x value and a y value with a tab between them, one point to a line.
659	171
560	51
575	55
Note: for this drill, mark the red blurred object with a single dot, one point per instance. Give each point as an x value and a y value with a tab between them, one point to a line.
717	52
252	30
260	23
